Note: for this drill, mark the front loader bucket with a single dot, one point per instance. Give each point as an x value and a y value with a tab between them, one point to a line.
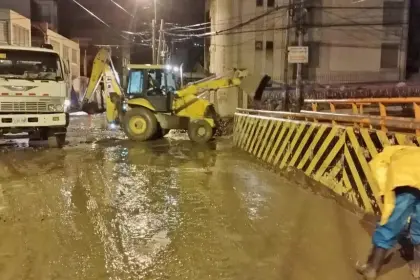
254	85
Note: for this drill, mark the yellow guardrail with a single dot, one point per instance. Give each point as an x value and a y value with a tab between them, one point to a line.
333	155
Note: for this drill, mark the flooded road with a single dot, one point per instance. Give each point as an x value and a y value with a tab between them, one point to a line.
107	208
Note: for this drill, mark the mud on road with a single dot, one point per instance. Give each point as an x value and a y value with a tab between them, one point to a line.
107	208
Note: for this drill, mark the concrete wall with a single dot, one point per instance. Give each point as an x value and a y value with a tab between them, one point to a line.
337	54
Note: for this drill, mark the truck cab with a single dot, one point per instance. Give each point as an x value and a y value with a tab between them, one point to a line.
34	96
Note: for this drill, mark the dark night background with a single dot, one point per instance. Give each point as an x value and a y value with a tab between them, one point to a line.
74	22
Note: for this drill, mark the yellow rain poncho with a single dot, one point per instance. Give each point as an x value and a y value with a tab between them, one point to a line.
395	166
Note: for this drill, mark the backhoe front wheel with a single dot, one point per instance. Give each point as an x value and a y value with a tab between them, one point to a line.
140	124
200	131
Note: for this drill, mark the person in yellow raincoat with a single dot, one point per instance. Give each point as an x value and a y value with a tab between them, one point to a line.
397	172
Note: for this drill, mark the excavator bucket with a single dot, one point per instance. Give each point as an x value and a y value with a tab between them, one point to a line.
254	85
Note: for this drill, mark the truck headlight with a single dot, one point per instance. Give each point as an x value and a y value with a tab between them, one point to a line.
55	108
52	108
59	108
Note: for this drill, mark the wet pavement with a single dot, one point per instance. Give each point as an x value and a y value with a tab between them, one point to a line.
107	208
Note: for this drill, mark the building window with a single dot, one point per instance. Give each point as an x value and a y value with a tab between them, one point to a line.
269	45
271	3
260	3
389	56
258	45
393	12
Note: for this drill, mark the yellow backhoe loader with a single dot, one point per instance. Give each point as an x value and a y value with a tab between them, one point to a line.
152	104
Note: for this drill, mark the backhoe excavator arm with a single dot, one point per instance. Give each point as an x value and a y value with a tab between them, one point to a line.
103	70
253	85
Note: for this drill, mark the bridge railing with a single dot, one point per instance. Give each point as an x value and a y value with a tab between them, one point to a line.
382	104
386	123
332	150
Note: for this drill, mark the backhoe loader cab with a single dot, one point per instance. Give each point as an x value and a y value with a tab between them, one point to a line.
156	84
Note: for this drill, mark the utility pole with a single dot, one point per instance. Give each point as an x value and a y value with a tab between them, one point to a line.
154	41
172	51
290	14
299	35
205	62
159	51
154	22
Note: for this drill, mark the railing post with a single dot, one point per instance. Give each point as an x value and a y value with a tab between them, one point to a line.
355	111
416	108
332	109
382	112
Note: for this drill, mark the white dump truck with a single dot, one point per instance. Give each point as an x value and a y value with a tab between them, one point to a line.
34	93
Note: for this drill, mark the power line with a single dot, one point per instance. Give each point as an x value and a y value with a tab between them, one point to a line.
122	8
92	14
253	19
98	18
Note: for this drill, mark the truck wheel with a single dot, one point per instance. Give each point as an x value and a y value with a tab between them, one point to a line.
200	131
140	124
57	140
43	133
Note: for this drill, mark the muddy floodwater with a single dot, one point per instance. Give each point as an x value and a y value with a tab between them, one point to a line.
107	208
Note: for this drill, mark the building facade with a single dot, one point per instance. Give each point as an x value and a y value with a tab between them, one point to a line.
349	41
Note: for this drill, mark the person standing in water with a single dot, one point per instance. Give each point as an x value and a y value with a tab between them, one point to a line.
397	172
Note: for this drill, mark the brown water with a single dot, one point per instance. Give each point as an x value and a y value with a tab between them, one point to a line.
111	209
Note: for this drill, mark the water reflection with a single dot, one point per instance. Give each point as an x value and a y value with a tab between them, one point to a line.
124	210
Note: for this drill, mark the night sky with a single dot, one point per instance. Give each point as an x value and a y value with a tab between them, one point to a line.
75	22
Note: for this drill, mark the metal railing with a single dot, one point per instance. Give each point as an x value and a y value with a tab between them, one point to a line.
386	122
358	105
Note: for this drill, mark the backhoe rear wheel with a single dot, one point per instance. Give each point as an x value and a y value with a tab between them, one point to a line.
200	131
140	124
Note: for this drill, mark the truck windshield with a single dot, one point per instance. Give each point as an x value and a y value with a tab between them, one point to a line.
30	65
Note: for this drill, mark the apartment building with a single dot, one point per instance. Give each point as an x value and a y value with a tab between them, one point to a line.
349	41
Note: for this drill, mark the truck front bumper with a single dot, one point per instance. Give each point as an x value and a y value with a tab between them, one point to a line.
33	120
